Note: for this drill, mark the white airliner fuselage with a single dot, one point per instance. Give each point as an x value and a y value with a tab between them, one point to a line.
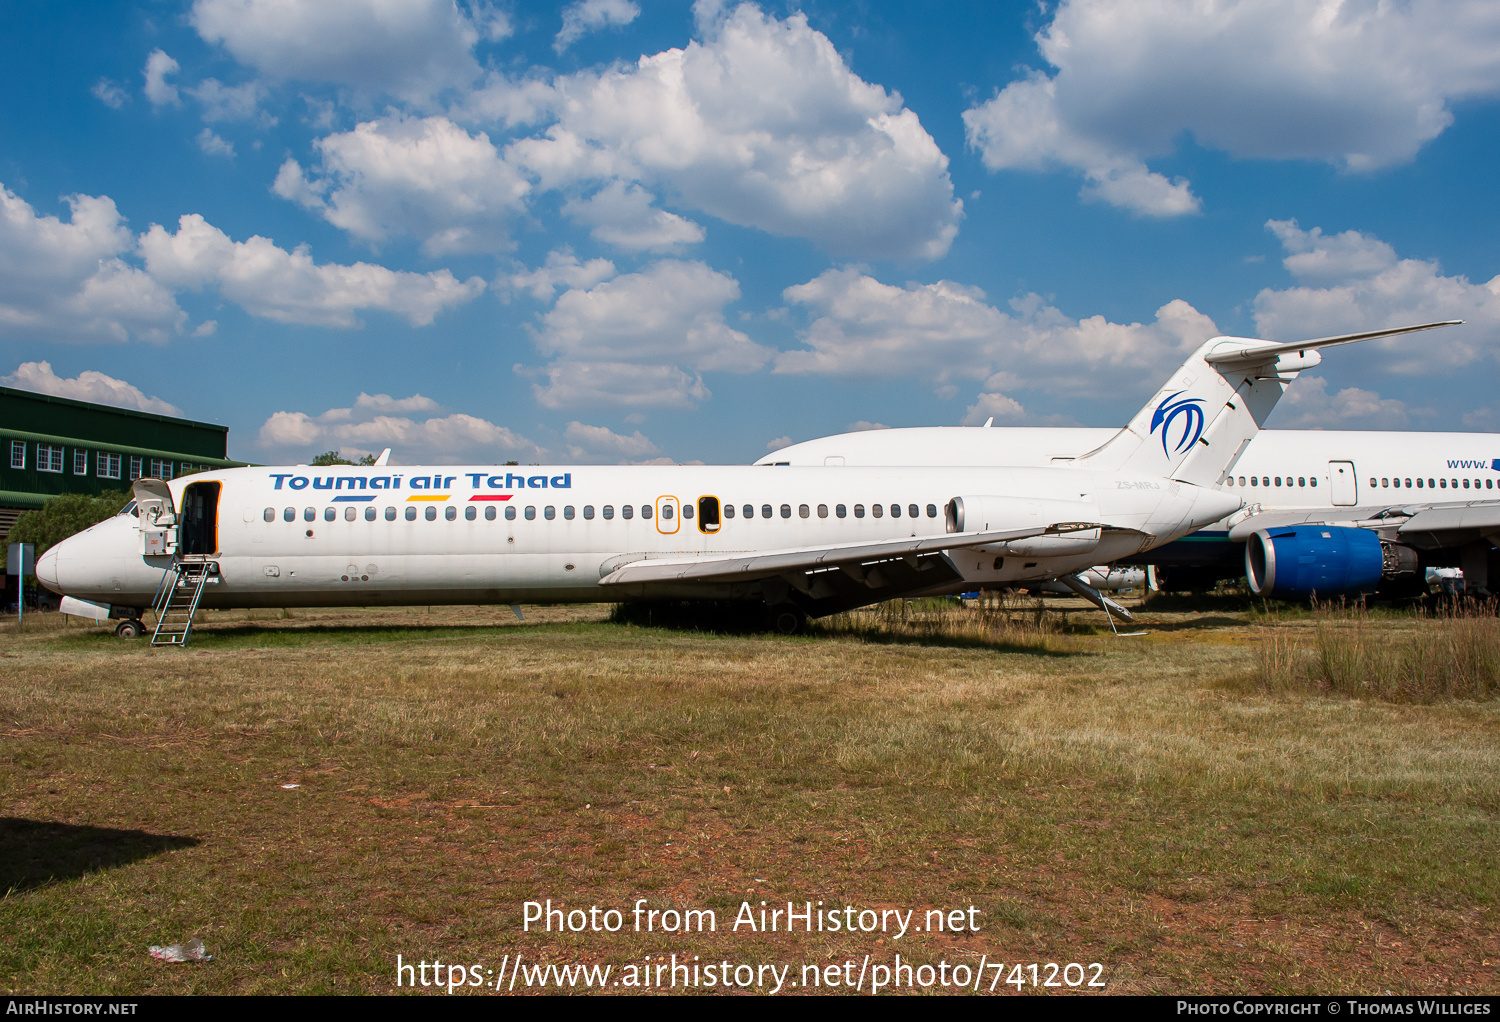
481	534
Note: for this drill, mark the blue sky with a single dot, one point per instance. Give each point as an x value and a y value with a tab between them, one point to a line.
617	230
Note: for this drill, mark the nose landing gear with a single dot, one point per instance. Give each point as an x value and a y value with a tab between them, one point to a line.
130	629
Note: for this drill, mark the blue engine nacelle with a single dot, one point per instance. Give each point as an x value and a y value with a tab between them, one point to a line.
1305	559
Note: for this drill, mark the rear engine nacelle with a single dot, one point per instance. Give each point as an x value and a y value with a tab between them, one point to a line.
992	514
1324	559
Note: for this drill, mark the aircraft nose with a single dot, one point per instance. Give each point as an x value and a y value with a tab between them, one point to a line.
46	570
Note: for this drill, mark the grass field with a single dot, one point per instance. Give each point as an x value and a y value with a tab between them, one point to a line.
1193	808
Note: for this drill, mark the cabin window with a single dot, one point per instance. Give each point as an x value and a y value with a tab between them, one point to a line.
687	511
841	511
895	510
390	514
627	512
877	510
471	513
531	514
822	510
350	513
749	510
1466	484
1419	484
728	510
489	512
510	514
370	513
1489	484
1313	481
290	514
803	511
588	512
411	513
912	511
645	510
549	512
568	512
1373	484
309	514
450	513
765	511
1443	483
708	513
1253	481
431	513
608	511
270	514
1302	481
786	510
931	510
859	510
666	512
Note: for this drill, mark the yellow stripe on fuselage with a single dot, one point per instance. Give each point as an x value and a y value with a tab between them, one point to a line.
443	497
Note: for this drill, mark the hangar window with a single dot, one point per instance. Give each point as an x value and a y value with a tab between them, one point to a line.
859	510
588	512
822	510
18	454
135	468
351	513
841	511
510	514
411	513
309	514
931	510
370	514
80	463
49	458
609	511
531	514
290	514
489	512
549	512
627	512
390	514
471	513
431	513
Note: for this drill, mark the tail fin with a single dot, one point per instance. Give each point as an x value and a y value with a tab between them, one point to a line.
1199	423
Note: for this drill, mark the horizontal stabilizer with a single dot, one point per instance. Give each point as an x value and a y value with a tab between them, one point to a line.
1256	352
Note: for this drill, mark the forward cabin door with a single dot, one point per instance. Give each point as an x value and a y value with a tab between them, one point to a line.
1345	488
198	529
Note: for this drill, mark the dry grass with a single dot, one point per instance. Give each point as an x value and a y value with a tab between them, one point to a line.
1146	803
1452	655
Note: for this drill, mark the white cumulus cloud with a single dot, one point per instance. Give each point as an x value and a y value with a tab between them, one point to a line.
88	385
585	16
411	49
66	280
422	178
375	422
158	90
1352	281
617	384
598	443
622	215
288	286
1308	405
1361	85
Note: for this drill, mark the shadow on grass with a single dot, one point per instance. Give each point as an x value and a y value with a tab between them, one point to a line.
34	853
291	633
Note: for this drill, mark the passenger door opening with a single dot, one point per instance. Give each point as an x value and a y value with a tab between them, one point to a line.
708	514
198	530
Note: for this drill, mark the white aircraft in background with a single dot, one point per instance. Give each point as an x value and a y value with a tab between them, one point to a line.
803	541
1429	498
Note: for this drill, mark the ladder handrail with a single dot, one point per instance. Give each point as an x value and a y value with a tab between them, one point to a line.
182	571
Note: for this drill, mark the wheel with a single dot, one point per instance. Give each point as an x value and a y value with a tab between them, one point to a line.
786	618
130	629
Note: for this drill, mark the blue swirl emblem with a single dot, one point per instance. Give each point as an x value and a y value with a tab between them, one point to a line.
1190	409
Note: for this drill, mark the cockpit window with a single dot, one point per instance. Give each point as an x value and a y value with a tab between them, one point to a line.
130	509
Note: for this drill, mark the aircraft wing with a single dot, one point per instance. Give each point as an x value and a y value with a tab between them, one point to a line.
1424	525
799	560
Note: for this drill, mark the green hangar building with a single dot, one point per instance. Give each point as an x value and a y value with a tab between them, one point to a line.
51	445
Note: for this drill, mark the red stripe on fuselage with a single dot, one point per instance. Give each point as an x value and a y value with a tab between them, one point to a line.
490	496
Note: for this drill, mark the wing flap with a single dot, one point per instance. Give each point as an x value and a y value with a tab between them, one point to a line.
744	567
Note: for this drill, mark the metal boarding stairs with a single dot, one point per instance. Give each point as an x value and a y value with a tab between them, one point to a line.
177	600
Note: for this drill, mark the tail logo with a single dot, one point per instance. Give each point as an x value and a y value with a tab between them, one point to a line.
1190	410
